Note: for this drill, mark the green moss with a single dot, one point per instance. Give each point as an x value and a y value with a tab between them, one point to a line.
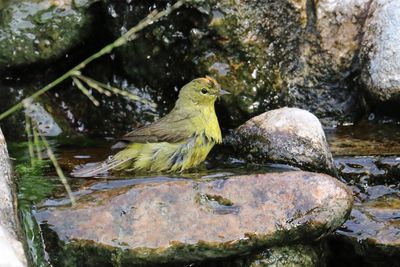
33	187
33	31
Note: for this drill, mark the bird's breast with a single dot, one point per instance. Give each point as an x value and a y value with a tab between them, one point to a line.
210	125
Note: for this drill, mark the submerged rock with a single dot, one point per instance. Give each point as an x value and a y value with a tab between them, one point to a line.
287	135
369	170
34	31
188	221
371	236
365	139
373	231
381	52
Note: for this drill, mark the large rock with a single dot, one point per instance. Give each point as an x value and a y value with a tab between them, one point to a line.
11	250
340	24
381	52
188	221
287	135
33	31
269	53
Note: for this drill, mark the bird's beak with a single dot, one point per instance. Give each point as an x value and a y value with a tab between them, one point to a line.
223	92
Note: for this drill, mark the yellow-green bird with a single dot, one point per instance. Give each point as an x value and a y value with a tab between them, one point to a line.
179	141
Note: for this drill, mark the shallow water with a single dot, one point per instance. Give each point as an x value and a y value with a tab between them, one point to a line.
366	156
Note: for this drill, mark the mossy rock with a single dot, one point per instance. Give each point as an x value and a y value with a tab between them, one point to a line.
34	30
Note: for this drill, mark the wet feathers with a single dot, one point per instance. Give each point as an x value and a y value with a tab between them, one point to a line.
179	141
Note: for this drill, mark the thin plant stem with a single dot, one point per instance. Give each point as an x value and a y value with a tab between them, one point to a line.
37	144
94	84
85	91
126	37
108	89
59	171
28	130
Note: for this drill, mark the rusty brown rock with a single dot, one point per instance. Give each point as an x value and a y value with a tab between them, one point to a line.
186	221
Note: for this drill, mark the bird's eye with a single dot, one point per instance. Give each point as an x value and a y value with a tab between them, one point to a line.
204	91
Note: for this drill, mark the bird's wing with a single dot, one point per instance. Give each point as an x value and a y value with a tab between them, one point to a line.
172	128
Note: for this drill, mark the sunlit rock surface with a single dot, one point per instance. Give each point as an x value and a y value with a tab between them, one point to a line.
34	31
11	249
340	24
381	52
287	135
188	221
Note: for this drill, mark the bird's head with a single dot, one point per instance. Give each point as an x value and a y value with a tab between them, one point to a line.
201	91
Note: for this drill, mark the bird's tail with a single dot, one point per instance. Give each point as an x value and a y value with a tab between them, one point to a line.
94	169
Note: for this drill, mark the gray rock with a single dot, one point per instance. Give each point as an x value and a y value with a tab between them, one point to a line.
340	24
287	135
190	221
34	31
46	124
11	250
381	52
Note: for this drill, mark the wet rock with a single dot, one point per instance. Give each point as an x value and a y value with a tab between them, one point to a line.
369	170
371	236
188	221
46	124
11	250
294	255
287	135
381	52
267	53
34	31
373	231
298	255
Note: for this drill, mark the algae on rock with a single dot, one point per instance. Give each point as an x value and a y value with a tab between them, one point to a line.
35	31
